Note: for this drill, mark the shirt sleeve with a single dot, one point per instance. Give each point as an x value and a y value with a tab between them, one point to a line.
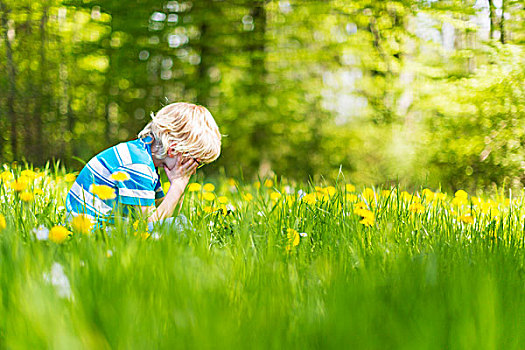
140	186
159	193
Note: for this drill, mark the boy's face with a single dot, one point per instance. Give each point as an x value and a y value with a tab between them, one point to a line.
172	160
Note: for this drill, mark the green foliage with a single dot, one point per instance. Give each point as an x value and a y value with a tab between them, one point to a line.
297	87
446	274
477	128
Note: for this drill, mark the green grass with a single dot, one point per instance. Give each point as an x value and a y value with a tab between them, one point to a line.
411	281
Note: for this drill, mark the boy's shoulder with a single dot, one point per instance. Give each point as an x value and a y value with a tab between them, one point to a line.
128	153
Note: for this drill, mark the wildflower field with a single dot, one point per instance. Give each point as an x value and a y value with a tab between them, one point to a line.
270	264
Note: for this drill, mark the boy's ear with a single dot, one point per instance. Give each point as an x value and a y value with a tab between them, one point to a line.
171	151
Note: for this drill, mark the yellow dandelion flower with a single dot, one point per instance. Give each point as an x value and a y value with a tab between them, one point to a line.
58	234
38	191
208	187
440	196
222	199
268	183
144	235
486	208
71	177
20	184
461	194
293	237
247	197
309	198
208	209
26	196
368	194
361	205
119	176
6	176
367	221
3	224
406	196
350	188
103	192
257	184
274	196
467	219
82	223
364	213
30	174
477	201
208	196
459	201
330	190
428	194
195	187
416	208
223	209
351	197
386	193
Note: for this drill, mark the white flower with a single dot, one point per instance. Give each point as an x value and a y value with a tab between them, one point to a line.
41	233
301	193
59	280
155	236
260	213
303	234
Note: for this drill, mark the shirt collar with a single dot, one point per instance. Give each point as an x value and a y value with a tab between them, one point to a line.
146	142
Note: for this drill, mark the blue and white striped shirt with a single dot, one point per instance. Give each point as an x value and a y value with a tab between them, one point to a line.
142	188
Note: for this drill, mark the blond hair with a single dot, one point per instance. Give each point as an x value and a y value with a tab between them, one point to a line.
187	128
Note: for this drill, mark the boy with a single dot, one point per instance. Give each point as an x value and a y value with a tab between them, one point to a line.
180	138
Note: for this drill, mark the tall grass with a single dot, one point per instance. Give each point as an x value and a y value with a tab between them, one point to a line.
445	274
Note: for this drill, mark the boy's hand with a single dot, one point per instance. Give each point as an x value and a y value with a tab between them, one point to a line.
182	171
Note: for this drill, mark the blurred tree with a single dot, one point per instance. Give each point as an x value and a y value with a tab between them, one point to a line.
298	87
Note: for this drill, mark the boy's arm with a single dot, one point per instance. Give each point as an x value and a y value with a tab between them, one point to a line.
178	177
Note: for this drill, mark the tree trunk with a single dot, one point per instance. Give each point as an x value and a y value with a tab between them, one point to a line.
502	22
39	105
203	81
11	71
492	17
261	136
108	89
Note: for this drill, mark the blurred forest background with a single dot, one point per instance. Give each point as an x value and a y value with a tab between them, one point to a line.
421	92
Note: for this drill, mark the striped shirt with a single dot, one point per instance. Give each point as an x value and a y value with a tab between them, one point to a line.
141	188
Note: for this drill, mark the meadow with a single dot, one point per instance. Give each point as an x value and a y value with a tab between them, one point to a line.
270	264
